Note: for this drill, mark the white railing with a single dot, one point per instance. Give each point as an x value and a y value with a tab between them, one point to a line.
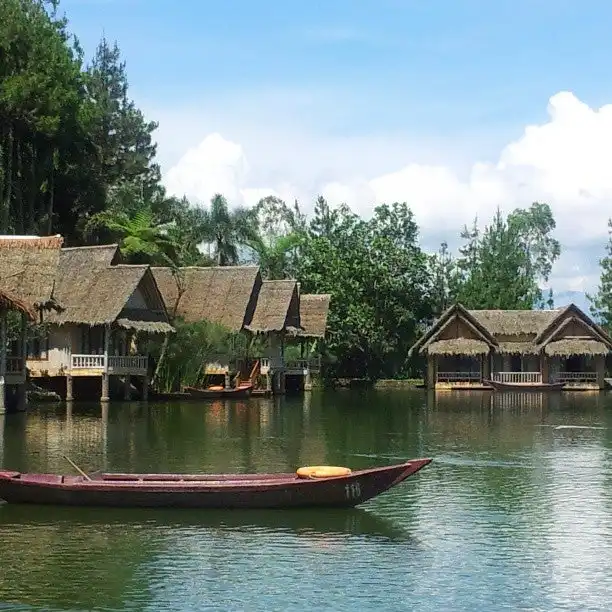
298	364
518	377
269	364
576	377
457	376
127	363
87	362
117	364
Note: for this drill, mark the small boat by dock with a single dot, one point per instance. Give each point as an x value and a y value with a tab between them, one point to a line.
319	486
521	386
217	392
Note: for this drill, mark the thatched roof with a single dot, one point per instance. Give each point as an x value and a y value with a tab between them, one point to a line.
278	307
94	292
458	346
575	346
514	322
10	302
225	295
532	329
517	348
314	309
28	266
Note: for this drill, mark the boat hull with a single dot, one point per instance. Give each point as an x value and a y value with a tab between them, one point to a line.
236	393
204	491
499	386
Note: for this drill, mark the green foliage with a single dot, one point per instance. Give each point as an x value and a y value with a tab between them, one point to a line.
189	349
378	278
601	301
502	266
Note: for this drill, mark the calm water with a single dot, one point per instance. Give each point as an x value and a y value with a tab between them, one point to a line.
514	514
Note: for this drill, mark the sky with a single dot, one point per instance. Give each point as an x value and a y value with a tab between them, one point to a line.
456	107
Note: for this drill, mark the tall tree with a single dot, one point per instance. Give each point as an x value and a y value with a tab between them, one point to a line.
601	301
502	266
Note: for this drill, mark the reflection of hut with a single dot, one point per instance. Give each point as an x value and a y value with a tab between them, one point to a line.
27	281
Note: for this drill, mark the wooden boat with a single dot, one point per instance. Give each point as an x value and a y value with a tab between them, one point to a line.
500	386
217	392
205	490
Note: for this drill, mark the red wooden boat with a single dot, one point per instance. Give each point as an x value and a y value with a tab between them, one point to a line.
216	392
205	490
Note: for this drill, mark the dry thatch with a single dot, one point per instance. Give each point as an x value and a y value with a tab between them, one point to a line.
28	266
10	302
92	291
458	346
514	322
278	307
517	348
575	346
313	314
225	295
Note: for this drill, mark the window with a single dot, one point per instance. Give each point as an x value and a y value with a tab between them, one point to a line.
38	347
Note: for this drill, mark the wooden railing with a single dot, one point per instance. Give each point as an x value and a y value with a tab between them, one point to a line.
457	376
14	365
576	377
117	364
313	364
518	377
127	363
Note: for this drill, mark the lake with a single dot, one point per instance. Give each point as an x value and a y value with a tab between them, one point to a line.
515	512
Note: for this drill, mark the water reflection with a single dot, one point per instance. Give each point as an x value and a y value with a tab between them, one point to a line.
514	513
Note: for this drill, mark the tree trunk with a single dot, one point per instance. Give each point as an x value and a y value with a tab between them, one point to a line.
162	358
8	181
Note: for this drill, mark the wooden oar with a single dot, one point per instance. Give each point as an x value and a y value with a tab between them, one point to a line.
76	467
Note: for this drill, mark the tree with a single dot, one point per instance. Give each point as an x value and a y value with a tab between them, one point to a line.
378	278
227	230
601	302
501	267
443	271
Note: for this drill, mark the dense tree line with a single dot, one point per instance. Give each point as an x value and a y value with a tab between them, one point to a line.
77	157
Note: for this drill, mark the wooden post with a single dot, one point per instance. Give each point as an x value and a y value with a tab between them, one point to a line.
22	396
308	380
69	388
431	371
2	362
544	367
600	367
104	397
486	367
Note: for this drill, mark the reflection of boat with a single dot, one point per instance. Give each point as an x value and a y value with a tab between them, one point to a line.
204	490
503	386
334	521
217	391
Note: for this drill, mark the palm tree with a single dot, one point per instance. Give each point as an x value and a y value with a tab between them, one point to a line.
227	230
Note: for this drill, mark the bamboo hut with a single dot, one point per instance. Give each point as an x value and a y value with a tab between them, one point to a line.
104	305
477	348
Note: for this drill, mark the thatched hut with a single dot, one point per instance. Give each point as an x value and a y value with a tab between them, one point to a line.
104	304
27	283
468	348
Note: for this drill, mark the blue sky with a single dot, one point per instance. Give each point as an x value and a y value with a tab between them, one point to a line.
364	100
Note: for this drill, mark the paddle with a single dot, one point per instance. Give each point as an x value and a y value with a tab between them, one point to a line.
76	467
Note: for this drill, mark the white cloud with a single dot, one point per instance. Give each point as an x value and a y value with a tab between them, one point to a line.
565	161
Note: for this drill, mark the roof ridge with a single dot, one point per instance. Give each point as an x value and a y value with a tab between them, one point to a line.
91	246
